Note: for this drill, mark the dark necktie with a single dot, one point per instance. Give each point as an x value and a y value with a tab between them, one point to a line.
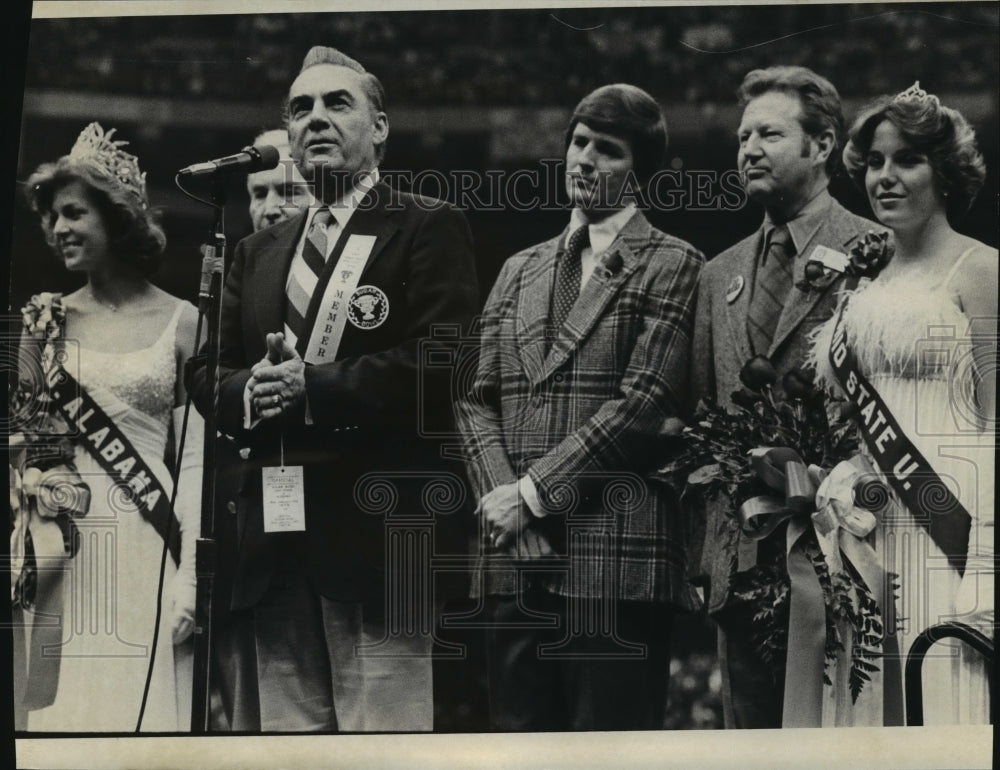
569	273
314	257
770	289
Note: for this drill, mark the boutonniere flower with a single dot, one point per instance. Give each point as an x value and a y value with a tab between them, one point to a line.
610	265
817	277
866	259
870	255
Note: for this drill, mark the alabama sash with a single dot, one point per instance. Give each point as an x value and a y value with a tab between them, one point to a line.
111	449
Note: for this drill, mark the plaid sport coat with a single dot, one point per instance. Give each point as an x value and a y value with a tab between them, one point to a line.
582	415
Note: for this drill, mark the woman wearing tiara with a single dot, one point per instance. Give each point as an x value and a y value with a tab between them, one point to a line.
921	337
124	341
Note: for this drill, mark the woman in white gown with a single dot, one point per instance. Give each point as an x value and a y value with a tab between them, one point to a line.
924	335
125	342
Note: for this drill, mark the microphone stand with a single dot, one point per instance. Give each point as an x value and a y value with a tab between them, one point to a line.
210	307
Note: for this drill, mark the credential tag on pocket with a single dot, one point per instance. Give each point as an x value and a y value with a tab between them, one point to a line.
830	259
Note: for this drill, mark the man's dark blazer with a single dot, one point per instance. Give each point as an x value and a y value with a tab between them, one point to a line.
366	460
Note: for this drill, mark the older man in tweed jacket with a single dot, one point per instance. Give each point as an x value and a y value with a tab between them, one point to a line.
789	133
585	342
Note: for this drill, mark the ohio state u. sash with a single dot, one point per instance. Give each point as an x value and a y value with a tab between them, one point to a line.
915	481
105	442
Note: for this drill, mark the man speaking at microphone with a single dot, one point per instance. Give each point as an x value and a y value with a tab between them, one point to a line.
322	321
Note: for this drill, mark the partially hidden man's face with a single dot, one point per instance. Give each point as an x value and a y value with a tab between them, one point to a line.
276	194
778	160
332	126
599	171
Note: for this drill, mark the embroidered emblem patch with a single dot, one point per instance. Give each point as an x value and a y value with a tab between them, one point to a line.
368	308
734	290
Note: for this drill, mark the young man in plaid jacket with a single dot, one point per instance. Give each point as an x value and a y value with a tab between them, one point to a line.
584	356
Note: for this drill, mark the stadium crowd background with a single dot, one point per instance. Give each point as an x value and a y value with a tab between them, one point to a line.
483	90
519	58
480	91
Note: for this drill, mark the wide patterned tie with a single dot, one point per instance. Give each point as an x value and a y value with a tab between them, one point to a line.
569	273
770	289
305	273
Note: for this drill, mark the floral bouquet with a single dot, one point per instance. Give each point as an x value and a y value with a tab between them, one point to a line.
796	490
44	483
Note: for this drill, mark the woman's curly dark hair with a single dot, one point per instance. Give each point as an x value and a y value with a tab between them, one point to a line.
134	231
939	132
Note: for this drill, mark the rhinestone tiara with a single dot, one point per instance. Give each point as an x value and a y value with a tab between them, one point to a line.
915	93
96	149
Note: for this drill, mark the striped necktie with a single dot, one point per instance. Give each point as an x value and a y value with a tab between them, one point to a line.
771	286
304	275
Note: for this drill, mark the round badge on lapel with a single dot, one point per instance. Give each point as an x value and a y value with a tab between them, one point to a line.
735	289
368	308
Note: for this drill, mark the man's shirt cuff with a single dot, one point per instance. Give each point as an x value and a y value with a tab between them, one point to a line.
527	490
250	420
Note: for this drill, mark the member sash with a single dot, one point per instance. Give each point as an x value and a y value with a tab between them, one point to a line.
112	450
913	478
324	341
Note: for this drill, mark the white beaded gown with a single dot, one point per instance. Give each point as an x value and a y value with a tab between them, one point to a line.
911	340
110	588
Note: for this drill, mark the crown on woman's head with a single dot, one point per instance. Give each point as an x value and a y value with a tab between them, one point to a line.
915	93
96	149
